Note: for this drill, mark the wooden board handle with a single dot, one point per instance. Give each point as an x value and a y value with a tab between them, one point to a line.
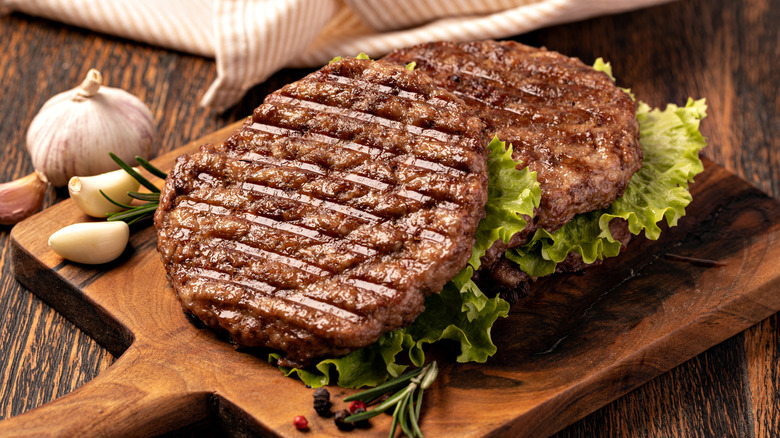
134	397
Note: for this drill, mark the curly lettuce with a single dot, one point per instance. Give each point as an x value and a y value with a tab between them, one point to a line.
512	195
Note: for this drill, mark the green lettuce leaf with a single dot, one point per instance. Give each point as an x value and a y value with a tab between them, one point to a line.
369	366
461	313
512	194
671	142
600	65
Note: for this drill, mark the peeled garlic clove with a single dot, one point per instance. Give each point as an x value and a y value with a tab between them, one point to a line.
74	131
91	242
21	198
85	192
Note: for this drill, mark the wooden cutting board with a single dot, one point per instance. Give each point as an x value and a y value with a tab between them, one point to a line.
576	343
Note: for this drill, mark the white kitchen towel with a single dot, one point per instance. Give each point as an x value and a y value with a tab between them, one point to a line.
252	39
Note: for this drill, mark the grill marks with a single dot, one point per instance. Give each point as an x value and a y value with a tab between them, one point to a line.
536	104
386	174
347	146
302	309
242	224
318	171
325	220
366	117
566	121
300	117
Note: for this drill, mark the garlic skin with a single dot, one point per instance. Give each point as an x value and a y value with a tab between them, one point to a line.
85	192
91	243
75	130
22	198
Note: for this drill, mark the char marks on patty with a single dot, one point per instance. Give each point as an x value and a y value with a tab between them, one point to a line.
325	220
568	122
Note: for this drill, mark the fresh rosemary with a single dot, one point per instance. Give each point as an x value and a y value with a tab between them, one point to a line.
138	212
407	402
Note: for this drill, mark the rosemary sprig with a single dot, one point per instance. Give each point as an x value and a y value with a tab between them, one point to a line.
153	170
406	409
136	213
137	176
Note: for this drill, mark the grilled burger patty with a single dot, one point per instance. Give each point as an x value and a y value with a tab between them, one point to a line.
325	220
568	122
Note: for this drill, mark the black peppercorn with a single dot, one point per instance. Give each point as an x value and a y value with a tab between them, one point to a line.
340	423
322	402
362	424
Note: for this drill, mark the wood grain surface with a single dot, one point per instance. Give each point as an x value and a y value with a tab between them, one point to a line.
728	52
587	338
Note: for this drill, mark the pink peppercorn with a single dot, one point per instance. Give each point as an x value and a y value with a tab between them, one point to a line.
301	423
357	405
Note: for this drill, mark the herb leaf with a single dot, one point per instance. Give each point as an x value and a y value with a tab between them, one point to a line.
137	176
151	168
137	213
406	409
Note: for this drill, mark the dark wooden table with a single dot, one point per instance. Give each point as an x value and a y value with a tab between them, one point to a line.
728	52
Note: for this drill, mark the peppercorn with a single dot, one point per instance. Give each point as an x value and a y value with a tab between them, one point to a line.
300	422
357	405
322	402
339	419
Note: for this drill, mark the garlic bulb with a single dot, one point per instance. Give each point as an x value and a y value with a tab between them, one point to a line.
91	242
21	198
85	192
75	130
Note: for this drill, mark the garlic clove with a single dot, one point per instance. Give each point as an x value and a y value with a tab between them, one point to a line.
21	198
91	242
85	192
75	130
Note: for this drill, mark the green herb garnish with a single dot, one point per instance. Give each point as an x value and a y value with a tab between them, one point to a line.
136	213
406	402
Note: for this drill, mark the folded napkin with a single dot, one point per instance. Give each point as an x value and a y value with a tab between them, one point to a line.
252	39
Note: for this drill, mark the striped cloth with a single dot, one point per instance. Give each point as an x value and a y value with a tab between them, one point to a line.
252	39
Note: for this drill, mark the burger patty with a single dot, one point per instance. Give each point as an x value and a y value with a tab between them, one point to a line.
566	121
325	220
